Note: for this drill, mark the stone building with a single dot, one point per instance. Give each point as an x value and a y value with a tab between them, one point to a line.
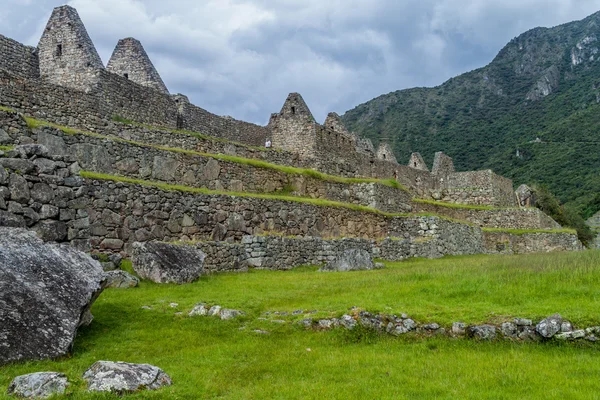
130	60
67	55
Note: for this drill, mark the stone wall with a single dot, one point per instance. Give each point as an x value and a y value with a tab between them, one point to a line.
475	188
513	218
113	95
506	243
283	253
142	162
20	59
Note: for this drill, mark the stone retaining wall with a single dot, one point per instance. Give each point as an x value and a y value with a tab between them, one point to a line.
514	218
506	243
20	59
283	253
122	158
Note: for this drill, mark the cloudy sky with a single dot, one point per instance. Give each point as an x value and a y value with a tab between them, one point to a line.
242	57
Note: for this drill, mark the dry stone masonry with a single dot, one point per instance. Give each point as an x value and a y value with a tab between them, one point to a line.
229	196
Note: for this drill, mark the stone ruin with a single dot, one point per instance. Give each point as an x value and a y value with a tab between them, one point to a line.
82	184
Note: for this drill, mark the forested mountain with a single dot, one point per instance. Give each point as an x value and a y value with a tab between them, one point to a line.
532	114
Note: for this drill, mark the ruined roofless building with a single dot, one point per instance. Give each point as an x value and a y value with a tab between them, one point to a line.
67	56
131	61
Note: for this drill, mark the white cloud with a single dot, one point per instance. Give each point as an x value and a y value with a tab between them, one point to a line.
242	57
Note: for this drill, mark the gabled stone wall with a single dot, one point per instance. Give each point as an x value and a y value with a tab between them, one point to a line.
20	59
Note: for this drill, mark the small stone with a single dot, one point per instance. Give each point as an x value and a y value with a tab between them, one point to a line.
261	332
550	326
409	324
483	332
459	328
431	327
509	329
40	385
120	377
307	323
173	305
146	308
199	309
566	326
214	311
120	279
227	314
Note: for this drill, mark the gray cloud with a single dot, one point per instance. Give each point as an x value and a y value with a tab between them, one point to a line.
242	57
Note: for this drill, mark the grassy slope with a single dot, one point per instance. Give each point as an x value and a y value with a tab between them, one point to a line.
209	358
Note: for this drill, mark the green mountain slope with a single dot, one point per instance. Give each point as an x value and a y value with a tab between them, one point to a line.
544	85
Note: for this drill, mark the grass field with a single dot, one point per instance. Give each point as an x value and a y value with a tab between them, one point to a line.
210	358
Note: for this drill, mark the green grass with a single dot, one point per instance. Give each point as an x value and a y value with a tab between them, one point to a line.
520	232
6	148
35	123
7	109
461	206
209	358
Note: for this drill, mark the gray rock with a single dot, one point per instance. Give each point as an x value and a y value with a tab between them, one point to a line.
227	314
165	168
45	289
121	377
509	329
459	328
44	165
482	332
431	327
3	176
42	192
51	231
55	144
167	263
566	326
31	150
19	189
523	322
18	164
350	260
5	137
550	326
49	211
39	385
11	220
214	311
200	309
409	324
120	279
348	322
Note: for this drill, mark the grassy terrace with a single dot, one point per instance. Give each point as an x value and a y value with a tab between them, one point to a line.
268	196
209	358
461	206
35	123
305	200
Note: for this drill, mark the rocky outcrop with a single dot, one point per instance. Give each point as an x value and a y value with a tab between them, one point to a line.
39	385
121	377
350	260
167	263
45	290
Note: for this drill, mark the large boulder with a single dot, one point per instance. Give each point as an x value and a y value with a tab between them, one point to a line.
351	260
121	377
39	385
167	263
45	290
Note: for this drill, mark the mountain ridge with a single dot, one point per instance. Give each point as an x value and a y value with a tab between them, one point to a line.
530	114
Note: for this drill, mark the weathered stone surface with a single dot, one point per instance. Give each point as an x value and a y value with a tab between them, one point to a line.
483	332
44	291
11	220
550	326
459	328
39	385
18	164
51	230
167	263
31	150
120	279
121	377
19	189
350	260
199	309
227	313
